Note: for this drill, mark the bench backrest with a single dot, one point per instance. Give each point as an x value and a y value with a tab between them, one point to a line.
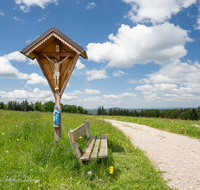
75	134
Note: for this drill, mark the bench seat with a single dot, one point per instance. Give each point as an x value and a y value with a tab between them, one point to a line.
97	145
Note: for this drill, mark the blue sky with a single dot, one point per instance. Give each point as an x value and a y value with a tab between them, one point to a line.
141	53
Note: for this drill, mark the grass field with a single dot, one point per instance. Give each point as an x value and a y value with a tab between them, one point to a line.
30	159
184	127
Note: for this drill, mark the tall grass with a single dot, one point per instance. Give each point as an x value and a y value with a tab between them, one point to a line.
184	127
31	159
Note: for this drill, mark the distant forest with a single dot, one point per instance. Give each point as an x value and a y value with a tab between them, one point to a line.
189	113
38	106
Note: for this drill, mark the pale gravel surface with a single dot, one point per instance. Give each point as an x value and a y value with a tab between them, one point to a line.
177	155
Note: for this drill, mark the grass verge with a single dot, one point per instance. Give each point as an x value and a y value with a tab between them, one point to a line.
30	159
184	127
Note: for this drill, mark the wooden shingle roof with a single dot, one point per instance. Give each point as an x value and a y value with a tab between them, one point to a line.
44	38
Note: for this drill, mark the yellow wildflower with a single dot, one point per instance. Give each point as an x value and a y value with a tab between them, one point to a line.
80	137
111	140
182	127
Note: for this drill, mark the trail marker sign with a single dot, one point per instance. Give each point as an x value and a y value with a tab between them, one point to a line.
56	55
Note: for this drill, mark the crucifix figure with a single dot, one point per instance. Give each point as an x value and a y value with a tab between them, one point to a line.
56	72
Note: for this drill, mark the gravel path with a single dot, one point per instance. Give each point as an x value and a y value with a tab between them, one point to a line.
178	156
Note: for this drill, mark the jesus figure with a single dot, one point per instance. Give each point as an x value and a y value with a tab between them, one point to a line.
56	72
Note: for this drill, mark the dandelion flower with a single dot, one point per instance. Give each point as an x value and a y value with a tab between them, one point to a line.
137	185
111	140
182	127
80	137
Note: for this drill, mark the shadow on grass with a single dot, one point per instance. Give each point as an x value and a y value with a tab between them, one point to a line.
115	147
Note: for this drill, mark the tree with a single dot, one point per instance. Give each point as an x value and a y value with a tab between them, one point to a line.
151	113
99	111
2	105
38	106
48	106
74	109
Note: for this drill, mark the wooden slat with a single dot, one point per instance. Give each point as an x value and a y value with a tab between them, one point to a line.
103	153
88	149
80	130
96	147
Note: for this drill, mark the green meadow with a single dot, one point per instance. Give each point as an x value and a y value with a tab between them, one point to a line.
31	159
189	128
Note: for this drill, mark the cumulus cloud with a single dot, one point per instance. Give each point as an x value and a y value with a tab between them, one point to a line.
90	91
8	71
96	74
175	72
35	95
140	44
79	65
15	56
25	5
155	11
36	79
32	62
90	5
175	82
120	96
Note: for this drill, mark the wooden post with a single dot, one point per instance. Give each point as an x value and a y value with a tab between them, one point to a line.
57	131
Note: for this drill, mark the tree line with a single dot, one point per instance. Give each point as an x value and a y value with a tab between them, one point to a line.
188	113
38	106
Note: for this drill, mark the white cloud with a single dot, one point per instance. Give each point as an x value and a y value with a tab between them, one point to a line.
1	13
68	96
119	73
158	88
89	91
120	96
8	71
15	56
151	96
24	5
198	24
90	5
132	81
92	99
35	95
36	79
96	74
155	11
32	62
141	44
79	65
175	72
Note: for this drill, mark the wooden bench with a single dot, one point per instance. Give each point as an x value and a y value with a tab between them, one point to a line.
94	141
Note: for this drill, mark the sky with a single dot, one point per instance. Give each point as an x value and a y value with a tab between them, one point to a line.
141	53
